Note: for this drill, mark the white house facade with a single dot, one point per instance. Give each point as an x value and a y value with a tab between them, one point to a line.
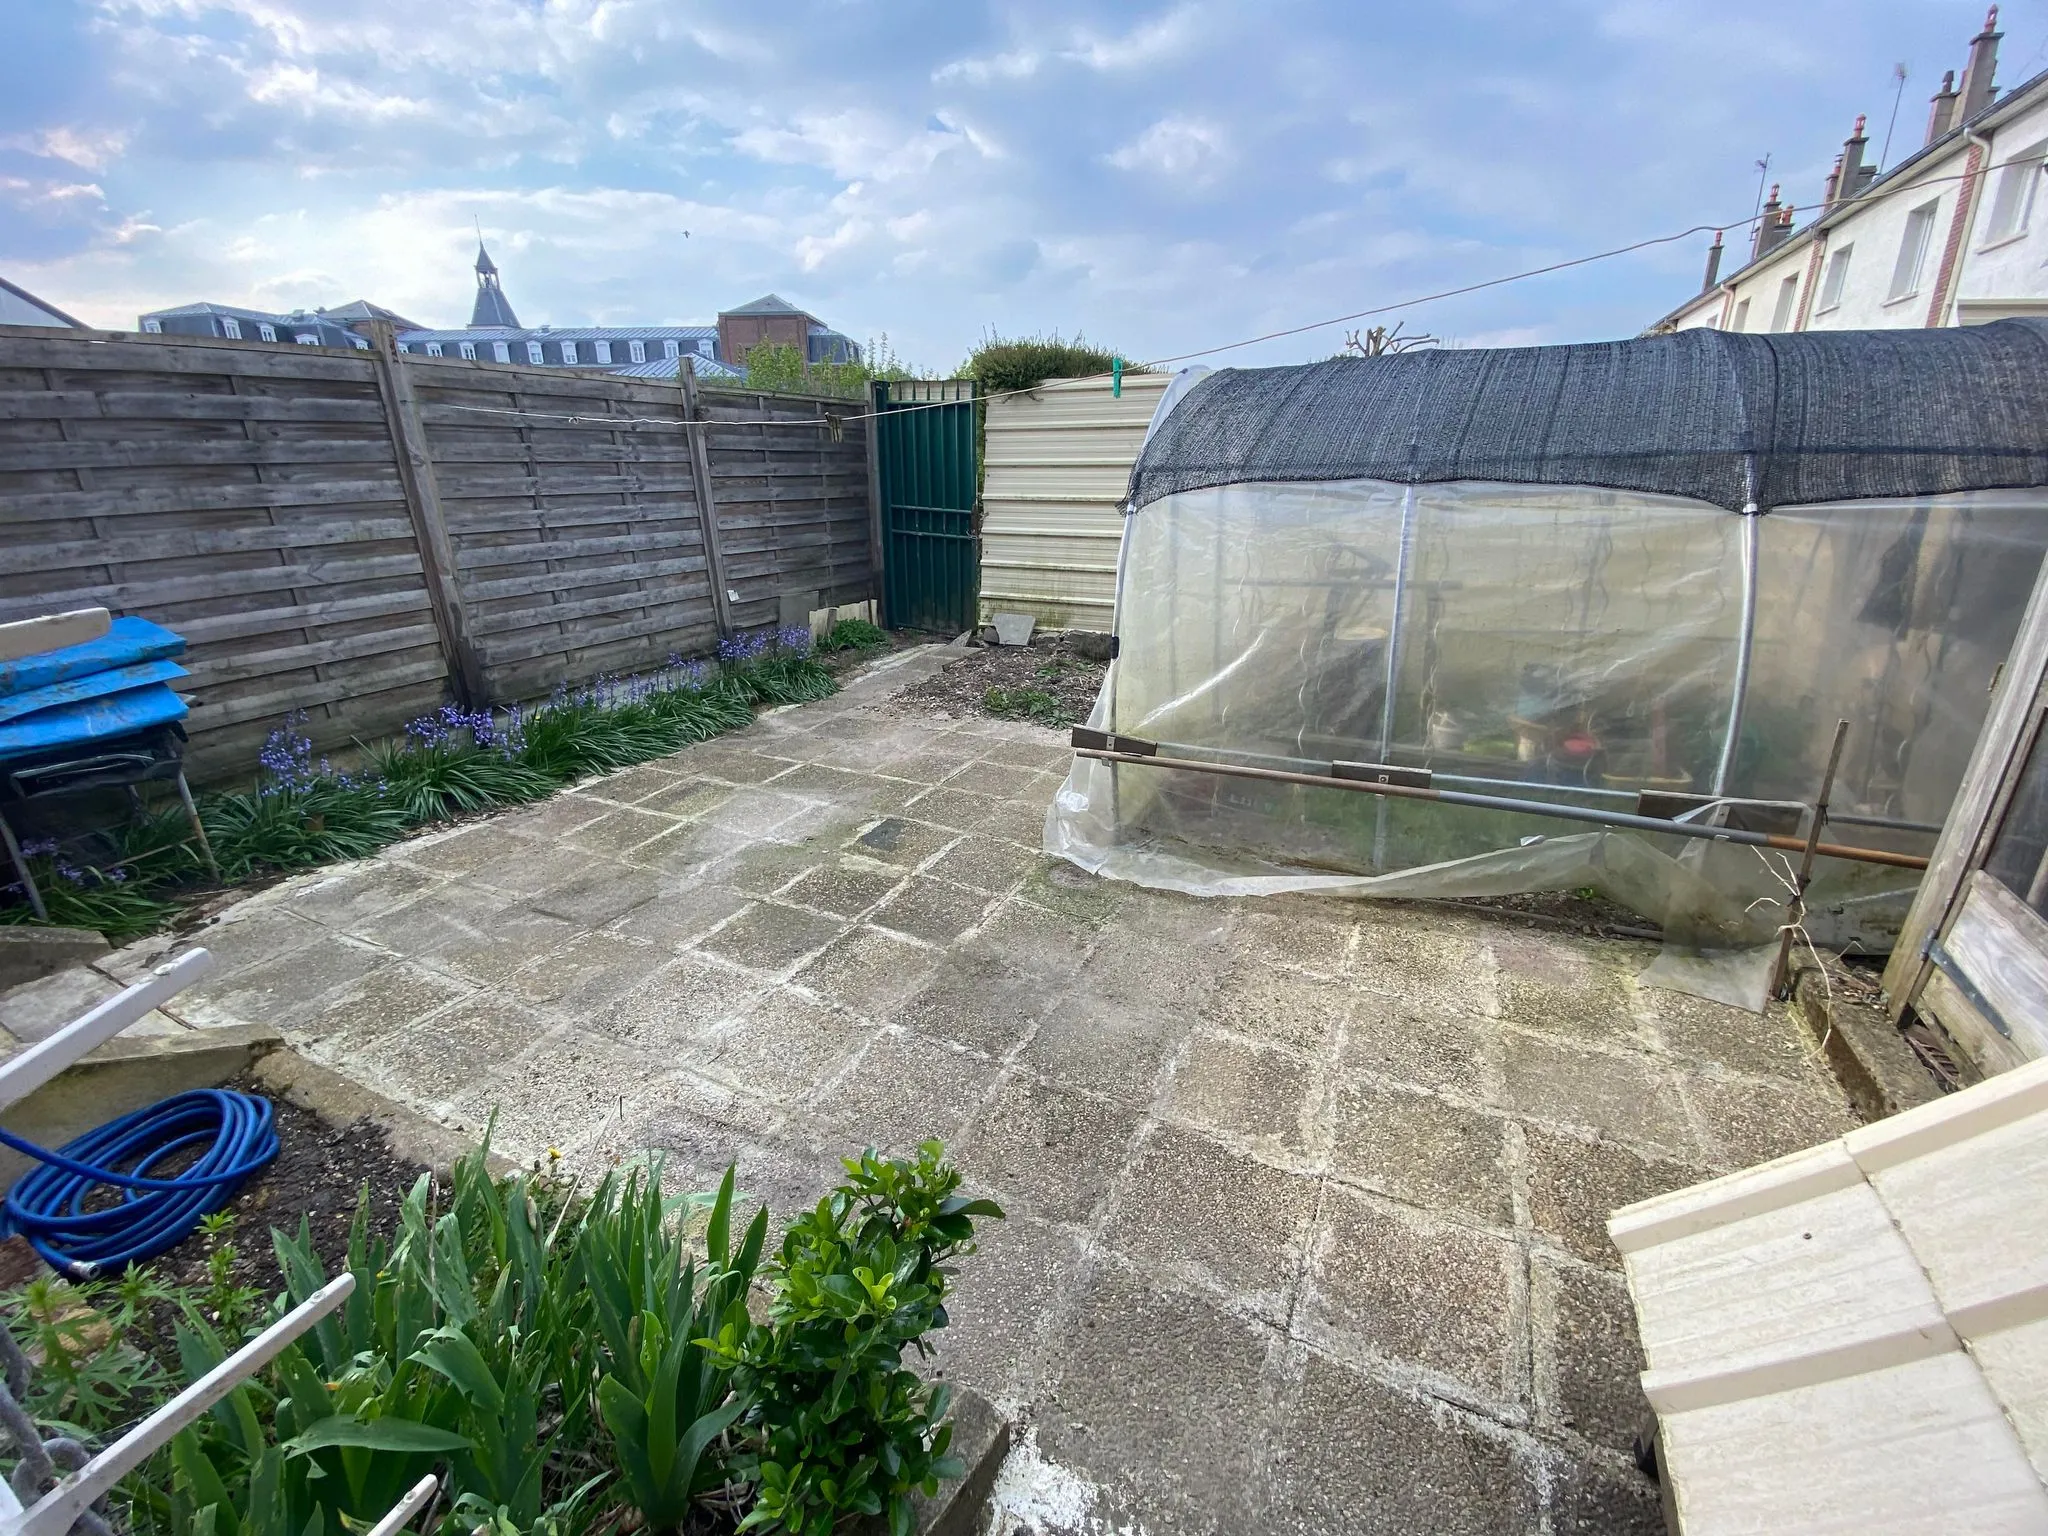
1955	234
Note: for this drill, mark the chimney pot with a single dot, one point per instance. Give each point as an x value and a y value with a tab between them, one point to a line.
1977	89
1941	112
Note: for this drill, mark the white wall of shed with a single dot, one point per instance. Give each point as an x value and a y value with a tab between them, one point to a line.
1058	463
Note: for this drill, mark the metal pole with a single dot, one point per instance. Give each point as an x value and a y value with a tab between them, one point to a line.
28	881
1407	544
1795	911
1116	620
198	827
1744	648
1527	807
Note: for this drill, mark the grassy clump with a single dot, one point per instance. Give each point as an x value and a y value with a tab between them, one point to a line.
302	812
854	635
1033	704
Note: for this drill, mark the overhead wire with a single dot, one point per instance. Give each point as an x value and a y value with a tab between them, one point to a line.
830	417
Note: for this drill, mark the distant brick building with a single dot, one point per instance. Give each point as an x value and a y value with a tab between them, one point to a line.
772	320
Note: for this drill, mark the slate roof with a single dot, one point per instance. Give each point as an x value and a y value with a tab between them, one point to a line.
567	333
43	304
769	304
672	367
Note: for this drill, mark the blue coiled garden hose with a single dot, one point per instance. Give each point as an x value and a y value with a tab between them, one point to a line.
47	1204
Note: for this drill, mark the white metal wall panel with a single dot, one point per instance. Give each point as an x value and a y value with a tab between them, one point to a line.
1058	463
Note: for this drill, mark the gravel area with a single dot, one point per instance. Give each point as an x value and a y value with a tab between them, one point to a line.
1052	664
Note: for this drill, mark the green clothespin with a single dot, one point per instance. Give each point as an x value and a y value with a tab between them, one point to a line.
1116	378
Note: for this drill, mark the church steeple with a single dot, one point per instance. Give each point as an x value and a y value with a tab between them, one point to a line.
492	308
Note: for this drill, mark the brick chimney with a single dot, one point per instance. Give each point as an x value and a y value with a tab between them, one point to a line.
1849	177
1977	88
1765	237
1713	264
1827	197
1941	113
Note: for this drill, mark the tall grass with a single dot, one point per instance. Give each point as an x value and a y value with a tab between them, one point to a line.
301	812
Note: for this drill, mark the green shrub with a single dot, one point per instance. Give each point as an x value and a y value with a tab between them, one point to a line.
836	1425
1004	364
854	635
557	1362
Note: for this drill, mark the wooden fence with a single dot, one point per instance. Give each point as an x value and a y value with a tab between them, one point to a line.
356	534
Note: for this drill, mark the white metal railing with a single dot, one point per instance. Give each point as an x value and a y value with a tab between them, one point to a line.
70	1502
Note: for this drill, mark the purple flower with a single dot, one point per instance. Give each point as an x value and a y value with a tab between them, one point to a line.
795	638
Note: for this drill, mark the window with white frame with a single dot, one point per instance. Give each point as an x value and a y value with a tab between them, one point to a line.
534	353
1912	252
1835	279
671	348
603	349
1741	320
267	332
1781	312
405	346
359	344
2012	205
706	347
637	350
433	349
502	351
231	327
468	349
569	353
154	327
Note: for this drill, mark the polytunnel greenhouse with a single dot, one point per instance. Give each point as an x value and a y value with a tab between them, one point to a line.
1644	579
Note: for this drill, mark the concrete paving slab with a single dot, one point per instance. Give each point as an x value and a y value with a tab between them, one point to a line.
1048	1150
1249	1095
1164	1396
1428	1294
1221	1221
1360	1456
1576	1182
1423	1150
1307	1198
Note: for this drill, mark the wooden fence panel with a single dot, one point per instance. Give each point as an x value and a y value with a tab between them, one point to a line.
792	494
251	496
569	501
246	496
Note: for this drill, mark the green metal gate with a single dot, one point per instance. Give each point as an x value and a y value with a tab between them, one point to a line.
925	487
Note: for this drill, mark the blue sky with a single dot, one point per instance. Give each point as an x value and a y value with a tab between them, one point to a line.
1159	176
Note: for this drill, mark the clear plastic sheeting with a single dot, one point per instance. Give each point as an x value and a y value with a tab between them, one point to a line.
1562	643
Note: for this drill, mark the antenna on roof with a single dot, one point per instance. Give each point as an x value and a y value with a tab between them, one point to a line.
1898	91
1763	169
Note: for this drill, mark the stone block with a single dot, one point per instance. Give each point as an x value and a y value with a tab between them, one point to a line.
868	971
386	999
781	1048
28	953
976	1004
844	888
1448	1052
904	1091
1749	1121
1588	1365
621	831
1105	1046
1576	1184
1277	1007
671	1012
932	910
897	840
1013	628
596	894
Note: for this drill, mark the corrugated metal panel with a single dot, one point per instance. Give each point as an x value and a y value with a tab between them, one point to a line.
1058	462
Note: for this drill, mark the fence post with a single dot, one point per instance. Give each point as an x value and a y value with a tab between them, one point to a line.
707	509
878	398
423	504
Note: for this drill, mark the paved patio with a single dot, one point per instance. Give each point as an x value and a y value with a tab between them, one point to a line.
1305	1198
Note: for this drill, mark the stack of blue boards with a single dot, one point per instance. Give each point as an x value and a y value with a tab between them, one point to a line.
86	694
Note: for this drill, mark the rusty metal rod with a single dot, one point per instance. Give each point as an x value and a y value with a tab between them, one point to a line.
1528	807
1795	911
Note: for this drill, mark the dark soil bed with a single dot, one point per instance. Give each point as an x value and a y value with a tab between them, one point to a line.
1057	682
319	1172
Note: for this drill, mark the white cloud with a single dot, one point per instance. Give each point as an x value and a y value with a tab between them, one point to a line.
1182	149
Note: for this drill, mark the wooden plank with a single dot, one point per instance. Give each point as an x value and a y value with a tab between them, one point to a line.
135	500
236	666
1987	785
167	405
145	592
259	360
693	595
191	543
707	501
568	581
675	536
2001	945
155	453
423	502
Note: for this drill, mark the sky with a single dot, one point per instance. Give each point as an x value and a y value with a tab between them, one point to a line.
1158	177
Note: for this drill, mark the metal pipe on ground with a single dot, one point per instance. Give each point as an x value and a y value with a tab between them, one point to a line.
1580	813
